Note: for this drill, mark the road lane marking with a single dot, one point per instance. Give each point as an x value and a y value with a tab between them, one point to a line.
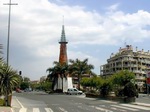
36	110
19	103
12	110
62	109
23	110
48	110
101	109
124	107
136	106
109	101
118	109
142	104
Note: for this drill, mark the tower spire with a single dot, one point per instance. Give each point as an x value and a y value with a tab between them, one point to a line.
63	36
63	46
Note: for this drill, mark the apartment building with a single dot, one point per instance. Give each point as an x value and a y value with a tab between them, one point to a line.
126	58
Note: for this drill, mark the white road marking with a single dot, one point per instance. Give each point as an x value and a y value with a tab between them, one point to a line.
118	109
19	103
48	110
12	110
136	106
102	105
101	109
36	110
62	109
109	101
124	107
142	104
23	110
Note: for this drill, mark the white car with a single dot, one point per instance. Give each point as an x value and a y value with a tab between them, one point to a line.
74	91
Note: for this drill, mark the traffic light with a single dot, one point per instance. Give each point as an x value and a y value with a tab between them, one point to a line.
20	72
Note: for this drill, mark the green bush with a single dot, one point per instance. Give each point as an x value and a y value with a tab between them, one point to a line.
105	88
130	90
92	91
120	92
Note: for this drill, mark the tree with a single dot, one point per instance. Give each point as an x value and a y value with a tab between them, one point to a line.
46	85
59	70
106	86
130	90
24	85
79	68
52	76
120	79
1	58
26	79
9	79
93	83
86	82
1	52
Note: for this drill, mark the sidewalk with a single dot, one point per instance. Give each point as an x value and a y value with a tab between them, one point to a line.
14	104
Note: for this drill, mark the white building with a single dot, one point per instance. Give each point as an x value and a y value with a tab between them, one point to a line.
127	59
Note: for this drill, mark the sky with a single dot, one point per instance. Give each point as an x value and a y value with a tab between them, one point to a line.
94	29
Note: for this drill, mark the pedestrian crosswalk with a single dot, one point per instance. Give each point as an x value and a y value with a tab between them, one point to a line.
34	110
94	108
122	108
127	108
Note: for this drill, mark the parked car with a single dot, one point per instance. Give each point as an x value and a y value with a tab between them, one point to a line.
28	90
75	91
18	90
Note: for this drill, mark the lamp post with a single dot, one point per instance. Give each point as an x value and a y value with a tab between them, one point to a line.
9	28
7	102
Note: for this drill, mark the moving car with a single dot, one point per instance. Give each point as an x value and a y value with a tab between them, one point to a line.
74	91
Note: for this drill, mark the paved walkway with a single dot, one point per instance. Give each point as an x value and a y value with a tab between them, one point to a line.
14	104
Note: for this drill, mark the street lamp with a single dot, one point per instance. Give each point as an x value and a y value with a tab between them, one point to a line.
9	28
8	45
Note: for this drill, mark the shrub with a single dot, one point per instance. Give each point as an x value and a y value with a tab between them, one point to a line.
120	92
130	90
106	88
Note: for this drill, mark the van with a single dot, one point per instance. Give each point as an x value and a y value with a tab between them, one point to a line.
75	91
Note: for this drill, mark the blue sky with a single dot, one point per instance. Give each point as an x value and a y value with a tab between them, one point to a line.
94	29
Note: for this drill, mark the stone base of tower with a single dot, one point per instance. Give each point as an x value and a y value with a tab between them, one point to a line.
66	82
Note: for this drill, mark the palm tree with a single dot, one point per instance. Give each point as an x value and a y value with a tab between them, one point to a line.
79	68
1	58
8	80
52	76
59	70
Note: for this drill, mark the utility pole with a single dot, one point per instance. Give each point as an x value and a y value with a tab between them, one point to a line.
6	99
9	28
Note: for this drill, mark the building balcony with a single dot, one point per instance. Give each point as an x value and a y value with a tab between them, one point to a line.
140	77
139	71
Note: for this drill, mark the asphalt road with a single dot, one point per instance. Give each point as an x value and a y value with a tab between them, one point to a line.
41	102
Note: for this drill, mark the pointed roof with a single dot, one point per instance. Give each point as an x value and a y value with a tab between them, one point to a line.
63	37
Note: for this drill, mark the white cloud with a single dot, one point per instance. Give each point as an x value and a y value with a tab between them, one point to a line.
113	7
36	29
